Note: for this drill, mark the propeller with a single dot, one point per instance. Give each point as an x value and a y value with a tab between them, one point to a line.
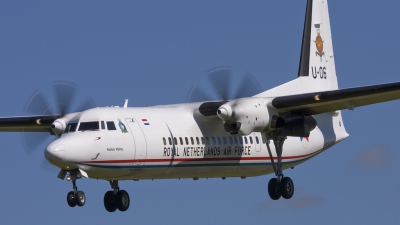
37	104
220	79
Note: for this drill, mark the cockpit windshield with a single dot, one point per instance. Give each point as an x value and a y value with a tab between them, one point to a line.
71	127
84	126
90	126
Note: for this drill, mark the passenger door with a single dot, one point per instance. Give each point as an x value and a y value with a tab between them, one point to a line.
139	140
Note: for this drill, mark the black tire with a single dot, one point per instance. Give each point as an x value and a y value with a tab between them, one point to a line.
71	199
110	201
80	198
123	200
287	187
274	189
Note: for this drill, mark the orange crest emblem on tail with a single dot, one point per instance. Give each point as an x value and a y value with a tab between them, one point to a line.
319	44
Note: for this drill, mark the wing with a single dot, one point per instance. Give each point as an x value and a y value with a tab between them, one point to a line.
328	101
40	123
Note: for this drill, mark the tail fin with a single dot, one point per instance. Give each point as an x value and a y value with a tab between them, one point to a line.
317	64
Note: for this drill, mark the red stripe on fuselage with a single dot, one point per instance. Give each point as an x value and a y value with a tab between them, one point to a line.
197	159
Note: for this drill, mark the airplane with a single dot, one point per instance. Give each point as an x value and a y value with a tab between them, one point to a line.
241	137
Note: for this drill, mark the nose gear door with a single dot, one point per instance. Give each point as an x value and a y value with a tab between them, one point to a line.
139	140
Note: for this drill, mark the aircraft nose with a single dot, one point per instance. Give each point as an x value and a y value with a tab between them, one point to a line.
55	153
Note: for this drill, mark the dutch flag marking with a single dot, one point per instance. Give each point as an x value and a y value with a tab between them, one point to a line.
145	122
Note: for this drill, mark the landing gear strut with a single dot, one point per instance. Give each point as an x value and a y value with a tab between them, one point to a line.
116	199
75	197
279	186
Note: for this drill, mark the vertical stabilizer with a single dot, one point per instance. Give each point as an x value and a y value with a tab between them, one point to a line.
317	62
317	65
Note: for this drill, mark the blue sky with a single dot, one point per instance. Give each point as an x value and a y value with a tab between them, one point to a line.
152	52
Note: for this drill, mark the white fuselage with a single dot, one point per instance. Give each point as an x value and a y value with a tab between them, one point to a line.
176	141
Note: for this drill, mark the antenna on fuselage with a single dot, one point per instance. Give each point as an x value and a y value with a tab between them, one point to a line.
126	103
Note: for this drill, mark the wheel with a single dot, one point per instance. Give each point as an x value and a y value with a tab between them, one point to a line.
80	198
71	199
123	200
110	201
287	187
274	189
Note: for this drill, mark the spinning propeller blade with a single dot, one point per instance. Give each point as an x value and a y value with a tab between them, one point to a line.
37	104
220	79
65	93
248	87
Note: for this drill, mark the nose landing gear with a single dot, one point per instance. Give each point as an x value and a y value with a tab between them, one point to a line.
279	186
116	199
75	197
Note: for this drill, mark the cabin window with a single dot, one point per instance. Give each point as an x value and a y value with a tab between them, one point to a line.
219	140
224	138
251	140
213	139
240	140
202	140
165	142
176	142
186	140
181	141
191	140
71	127
245	140
197	141
169	141
103	126
236	141
84	126
257	141
230	140
207	141
111	125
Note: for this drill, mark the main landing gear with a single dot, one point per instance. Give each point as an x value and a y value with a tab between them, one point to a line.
116	199
279	186
75	197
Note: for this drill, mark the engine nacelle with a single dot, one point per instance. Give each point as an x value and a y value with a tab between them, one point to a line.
59	125
294	125
246	115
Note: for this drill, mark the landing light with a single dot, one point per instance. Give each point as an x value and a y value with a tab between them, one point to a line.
68	178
